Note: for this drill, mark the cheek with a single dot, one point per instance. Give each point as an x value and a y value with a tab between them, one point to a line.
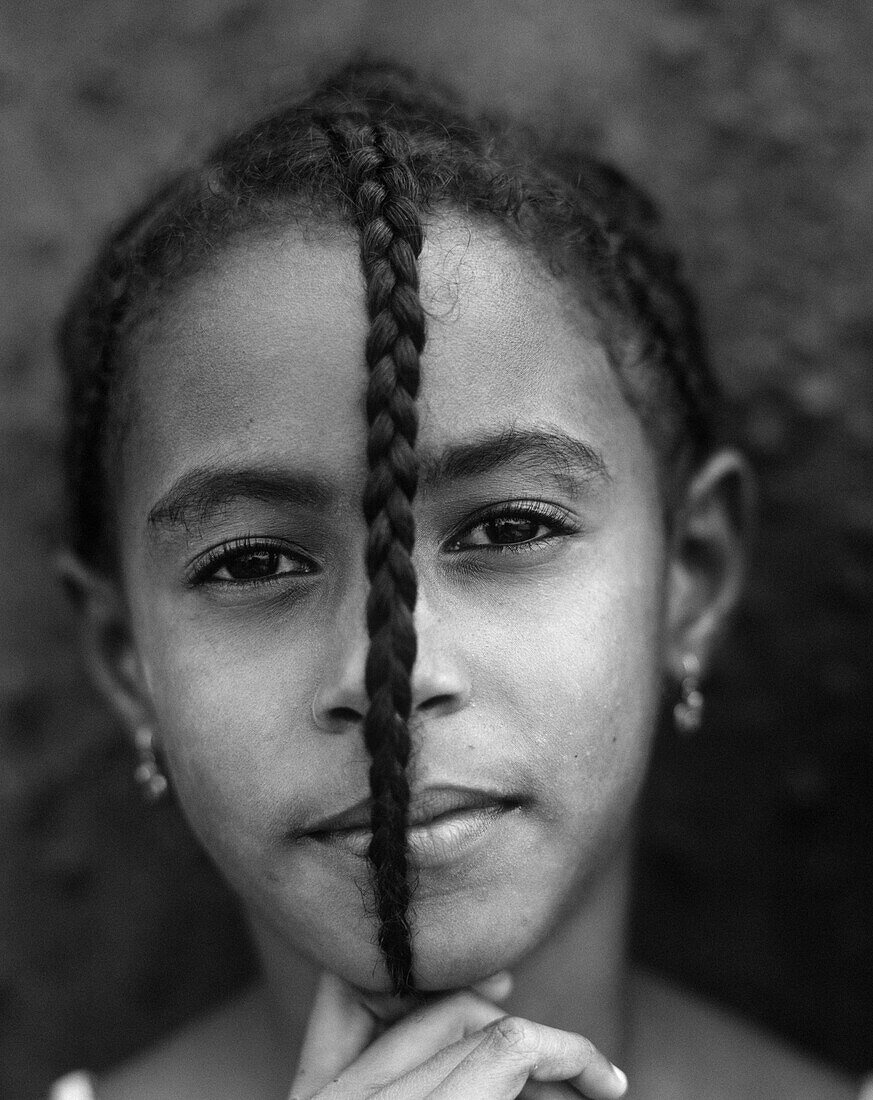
565	678
580	679
233	714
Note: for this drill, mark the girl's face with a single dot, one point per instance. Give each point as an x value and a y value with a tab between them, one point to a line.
541	561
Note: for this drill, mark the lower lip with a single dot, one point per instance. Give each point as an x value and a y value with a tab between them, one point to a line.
440	841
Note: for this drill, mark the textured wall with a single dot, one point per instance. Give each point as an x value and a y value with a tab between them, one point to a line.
751	122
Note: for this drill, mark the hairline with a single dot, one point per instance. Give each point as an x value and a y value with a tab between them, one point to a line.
319	221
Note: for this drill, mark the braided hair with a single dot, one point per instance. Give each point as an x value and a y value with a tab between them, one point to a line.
391	239
375	148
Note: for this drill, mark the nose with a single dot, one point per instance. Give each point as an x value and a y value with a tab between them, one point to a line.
439	683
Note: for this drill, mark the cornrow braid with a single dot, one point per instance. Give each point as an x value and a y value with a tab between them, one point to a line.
389	224
89	336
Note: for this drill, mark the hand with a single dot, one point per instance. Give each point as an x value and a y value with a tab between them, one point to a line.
457	1047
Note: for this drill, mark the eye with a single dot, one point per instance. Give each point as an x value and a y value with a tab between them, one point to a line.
248	562
514	526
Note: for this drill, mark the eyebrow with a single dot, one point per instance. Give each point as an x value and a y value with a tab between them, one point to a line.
548	452
200	492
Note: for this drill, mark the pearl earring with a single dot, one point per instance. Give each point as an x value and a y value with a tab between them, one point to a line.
148	775
688	711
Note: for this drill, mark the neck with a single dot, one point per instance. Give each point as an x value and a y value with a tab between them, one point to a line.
575	979
290	981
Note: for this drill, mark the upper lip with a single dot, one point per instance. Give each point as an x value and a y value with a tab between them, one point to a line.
425	805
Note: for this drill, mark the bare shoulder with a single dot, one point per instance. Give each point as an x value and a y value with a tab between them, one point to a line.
687	1047
227	1053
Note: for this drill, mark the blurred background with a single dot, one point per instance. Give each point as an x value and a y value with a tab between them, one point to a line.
750	121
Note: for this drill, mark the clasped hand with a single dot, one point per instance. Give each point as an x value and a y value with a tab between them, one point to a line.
460	1046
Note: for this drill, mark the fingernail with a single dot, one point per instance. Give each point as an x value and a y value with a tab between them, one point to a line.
621	1077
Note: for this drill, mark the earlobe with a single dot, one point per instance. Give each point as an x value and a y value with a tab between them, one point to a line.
107	643
708	555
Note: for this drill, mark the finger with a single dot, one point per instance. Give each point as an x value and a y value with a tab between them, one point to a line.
339	1028
343	1022
513	1051
417	1038
388	1008
496	988
551	1090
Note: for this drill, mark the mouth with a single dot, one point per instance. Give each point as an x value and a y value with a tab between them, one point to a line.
443	823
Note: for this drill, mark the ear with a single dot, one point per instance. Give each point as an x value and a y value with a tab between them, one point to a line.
708	552
107	642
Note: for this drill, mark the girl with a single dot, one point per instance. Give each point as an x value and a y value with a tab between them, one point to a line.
397	503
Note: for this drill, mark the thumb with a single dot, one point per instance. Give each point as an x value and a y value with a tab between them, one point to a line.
340	1027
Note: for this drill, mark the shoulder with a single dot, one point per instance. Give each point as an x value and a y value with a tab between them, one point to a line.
228	1053
715	1054
73	1086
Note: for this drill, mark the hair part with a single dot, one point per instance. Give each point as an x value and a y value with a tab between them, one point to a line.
379	150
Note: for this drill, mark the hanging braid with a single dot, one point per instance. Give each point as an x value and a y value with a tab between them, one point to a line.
391	238
376	147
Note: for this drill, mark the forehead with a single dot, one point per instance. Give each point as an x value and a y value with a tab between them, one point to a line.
263	355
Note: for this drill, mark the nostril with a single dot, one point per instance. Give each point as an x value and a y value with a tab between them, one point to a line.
345	715
437	702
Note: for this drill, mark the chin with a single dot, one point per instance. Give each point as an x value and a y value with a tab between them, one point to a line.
466	927
463	961
447	974
442	960
469	949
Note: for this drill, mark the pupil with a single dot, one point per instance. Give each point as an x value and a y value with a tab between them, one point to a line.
253	564
511	530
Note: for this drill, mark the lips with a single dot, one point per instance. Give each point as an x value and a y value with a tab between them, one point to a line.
443	821
425	806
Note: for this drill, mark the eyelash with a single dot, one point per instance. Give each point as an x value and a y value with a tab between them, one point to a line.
203	569
546	515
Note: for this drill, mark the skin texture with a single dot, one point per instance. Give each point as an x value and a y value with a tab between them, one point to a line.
538	670
540	664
